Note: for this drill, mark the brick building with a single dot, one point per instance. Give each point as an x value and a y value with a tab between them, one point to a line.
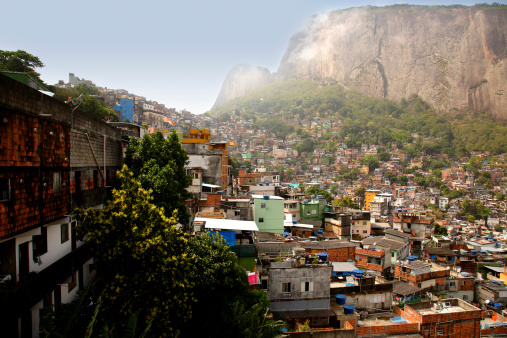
423	275
449	318
52	159
338	251
375	259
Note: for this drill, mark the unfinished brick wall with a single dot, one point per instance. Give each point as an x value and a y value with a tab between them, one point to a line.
336	254
32	150
36	142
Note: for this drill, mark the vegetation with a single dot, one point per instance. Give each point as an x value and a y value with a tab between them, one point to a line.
317	191
345	201
141	258
20	61
158	163
367	120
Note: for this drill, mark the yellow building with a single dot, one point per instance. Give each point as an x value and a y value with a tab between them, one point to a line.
197	136
369	195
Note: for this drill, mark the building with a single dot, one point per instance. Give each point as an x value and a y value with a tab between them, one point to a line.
54	159
312	209
300	292
374	259
448	318
268	213
369	196
360	224
126	110
423	275
338	251
338	223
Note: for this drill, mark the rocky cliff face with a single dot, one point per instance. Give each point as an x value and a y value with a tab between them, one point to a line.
452	57
242	79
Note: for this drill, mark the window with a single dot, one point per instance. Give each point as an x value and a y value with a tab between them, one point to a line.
72	281
263	205
314	212
307	286
463	282
5	189
261	219
237	212
440	332
40	243
286	287
365	231
465	297
64	231
426	332
77	178
57	182
95	178
264	284
364	222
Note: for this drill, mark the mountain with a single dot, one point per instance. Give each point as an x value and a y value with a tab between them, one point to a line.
452	57
240	80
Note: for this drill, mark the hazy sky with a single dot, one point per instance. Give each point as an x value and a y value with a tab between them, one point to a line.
173	52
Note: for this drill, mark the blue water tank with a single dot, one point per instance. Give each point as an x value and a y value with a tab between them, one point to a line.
473	252
350	284
494	240
454	238
497	305
340	299
348	309
267	184
358	273
478	236
323	256
265	197
372	248
320	232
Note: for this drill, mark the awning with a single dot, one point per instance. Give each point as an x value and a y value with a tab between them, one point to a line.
227	224
210	185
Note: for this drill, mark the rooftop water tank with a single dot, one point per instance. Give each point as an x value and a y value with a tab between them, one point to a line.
323	256
473	252
340	299
494	239
358	273
348	309
266	197
350	284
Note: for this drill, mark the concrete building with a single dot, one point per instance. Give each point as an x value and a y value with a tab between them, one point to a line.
312	209
338	223
54	159
423	275
126	110
369	196
268	213
300	292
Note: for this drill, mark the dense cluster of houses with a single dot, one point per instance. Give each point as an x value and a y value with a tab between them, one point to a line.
379	270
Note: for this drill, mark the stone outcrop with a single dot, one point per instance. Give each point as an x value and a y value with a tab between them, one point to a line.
452	57
242	79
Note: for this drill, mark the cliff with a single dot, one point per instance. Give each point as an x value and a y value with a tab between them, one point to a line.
452	57
240	80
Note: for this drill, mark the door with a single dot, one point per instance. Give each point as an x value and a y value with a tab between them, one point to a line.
24	266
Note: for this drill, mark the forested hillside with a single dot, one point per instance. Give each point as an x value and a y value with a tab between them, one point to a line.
283	107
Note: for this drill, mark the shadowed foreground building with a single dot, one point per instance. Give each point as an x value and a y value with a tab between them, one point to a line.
52	159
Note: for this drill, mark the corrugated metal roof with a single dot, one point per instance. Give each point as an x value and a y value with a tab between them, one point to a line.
228	224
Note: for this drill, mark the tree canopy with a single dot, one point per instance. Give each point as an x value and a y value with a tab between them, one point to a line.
141	257
20	61
317	191
345	201
159	164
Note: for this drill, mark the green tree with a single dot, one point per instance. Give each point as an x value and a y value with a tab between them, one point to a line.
371	161
317	191
500	196
221	289
345	201
94	107
360	192
20	61
439	230
141	258
159	164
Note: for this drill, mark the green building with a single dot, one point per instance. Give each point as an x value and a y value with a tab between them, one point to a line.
312	209
268	213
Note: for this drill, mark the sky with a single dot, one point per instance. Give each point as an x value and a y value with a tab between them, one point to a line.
173	52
